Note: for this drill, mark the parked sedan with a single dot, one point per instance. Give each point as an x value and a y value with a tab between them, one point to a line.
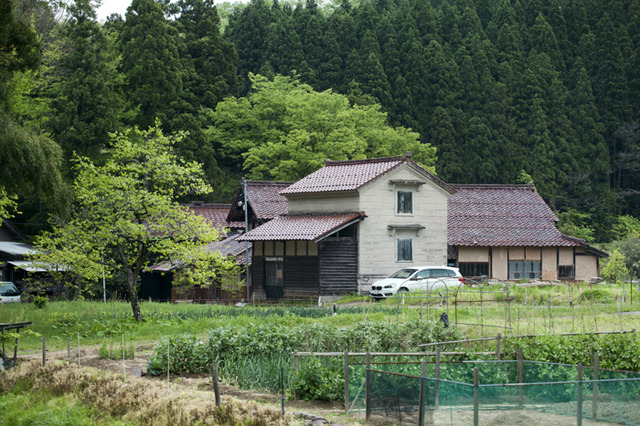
8	292
417	278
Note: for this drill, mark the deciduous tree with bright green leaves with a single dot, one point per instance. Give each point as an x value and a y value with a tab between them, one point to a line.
125	215
284	130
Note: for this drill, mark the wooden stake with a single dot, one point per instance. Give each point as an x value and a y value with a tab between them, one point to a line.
216	383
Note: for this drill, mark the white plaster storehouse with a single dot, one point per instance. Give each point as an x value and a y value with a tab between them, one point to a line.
349	224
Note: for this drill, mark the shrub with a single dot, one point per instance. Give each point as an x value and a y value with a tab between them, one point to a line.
316	380
40	302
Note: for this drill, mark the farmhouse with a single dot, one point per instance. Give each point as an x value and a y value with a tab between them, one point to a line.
353	222
508	232
349	224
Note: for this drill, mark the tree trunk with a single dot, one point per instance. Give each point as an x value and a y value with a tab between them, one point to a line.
133	294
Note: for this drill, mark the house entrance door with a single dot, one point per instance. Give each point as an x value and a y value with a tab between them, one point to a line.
274	283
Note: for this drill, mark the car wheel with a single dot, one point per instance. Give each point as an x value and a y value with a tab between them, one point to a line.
403	290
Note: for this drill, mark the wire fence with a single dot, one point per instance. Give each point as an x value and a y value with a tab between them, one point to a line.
501	392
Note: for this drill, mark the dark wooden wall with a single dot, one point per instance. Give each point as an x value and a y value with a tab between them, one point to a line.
257	277
338	266
300	276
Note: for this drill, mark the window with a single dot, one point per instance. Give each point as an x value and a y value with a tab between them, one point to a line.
469	269
524	269
566	272
405	250
405	202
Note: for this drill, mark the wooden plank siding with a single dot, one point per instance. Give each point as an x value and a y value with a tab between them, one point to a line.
257	277
338	266
300	276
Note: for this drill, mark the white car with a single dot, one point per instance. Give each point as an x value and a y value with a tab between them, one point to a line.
8	292
416	278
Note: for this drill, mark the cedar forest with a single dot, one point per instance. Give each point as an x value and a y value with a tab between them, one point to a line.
506	91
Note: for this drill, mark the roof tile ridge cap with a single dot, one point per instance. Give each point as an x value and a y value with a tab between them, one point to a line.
269	182
524	186
340	213
328	162
575	239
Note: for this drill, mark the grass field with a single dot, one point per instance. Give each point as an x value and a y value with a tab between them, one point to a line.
523	310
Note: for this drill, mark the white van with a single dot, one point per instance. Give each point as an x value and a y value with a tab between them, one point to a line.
8	292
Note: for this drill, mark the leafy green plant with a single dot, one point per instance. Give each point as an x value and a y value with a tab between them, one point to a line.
40	302
316	380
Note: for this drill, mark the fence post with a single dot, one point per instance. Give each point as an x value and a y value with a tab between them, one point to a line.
367	390
476	385
44	351
216	383
520	375
295	369
422	394
579	396
594	398
346	382
437	391
68	348
499	338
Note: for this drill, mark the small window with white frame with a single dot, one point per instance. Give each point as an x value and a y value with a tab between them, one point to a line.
404	202
405	250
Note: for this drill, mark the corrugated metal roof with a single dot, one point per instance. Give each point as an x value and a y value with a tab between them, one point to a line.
301	227
502	215
15	249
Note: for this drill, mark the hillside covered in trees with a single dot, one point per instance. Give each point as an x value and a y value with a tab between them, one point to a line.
506	91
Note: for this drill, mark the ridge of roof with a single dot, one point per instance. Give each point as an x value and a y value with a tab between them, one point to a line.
268	182
524	186
405	157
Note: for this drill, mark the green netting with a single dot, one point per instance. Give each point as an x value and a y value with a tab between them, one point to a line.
548	392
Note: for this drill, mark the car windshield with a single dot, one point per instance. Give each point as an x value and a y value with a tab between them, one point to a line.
403	273
8	289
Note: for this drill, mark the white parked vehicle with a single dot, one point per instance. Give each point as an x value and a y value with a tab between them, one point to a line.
8	292
416	278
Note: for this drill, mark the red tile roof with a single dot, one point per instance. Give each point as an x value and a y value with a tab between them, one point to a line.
216	214
301	227
264	199
502	215
351	175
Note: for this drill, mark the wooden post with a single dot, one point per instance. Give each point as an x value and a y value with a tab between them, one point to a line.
476	404
499	338
3	352
579	398
594	397
295	369
44	351
216	383
346	382
15	350
422	394
367	386
437	390
520	374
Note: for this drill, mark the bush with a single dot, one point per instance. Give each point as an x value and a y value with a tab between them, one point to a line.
316	380
40	302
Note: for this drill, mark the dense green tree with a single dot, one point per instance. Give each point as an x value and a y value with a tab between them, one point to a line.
284	130
208	60
150	63
125	213
87	101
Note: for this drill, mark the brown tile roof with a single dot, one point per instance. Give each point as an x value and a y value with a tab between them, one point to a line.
264	199
216	214
351	175
502	215
301	227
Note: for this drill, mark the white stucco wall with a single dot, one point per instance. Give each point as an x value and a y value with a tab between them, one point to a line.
377	244
324	203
